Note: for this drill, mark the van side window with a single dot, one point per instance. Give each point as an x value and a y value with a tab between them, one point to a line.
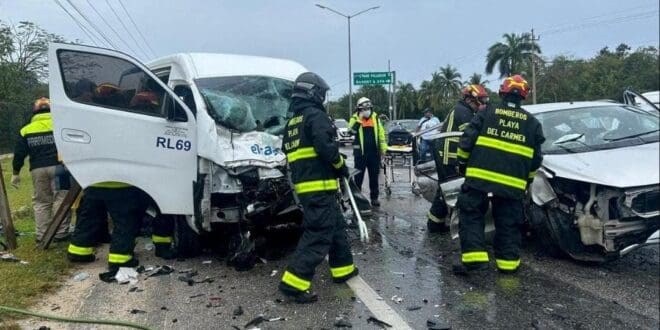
185	93
110	82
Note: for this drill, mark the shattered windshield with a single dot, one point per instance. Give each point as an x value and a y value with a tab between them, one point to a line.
594	128
247	103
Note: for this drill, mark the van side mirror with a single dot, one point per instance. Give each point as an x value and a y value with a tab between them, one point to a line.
173	111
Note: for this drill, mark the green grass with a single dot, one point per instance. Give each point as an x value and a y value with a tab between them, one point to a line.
21	285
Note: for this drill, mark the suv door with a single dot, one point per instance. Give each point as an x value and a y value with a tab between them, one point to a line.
113	122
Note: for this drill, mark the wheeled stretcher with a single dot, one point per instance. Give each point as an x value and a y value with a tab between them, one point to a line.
400	157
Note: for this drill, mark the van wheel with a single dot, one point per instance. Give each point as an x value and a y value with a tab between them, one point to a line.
544	231
187	243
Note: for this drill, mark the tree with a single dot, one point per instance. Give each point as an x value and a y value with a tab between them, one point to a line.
27	47
510	55
406	99
476	79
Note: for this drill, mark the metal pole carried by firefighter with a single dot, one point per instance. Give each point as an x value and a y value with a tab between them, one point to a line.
315	163
499	153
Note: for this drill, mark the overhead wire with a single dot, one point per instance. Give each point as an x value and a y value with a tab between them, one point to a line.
130	34
94	27
80	25
111	28
137	28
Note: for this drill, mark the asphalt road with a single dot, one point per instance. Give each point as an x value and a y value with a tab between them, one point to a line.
408	268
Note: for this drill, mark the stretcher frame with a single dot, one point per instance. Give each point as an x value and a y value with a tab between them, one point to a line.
399	156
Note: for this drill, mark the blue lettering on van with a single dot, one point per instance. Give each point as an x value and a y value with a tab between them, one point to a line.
173	144
266	151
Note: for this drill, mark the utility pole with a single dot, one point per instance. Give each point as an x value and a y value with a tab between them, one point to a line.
389	94
396	115
5	215
534	67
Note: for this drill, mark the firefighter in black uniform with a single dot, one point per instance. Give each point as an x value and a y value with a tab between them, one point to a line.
474	98
315	163
499	153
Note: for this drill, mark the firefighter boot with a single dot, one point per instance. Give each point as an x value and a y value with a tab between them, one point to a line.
347	277
165	251
299	297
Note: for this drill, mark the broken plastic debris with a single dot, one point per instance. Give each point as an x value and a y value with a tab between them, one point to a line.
126	275
273	273
238	311
396	299
255	321
158	271
206	262
81	277
137	311
342	323
398	273
414	308
378	322
148	246
9	257
437	325
135	289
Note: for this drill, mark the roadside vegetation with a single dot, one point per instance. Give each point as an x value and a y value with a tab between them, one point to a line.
22	284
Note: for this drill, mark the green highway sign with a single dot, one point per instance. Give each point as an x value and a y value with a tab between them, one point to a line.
372	78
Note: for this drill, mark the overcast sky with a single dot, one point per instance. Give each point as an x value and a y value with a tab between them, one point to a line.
418	36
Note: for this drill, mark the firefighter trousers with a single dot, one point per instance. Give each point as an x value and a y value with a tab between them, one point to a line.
162	229
508	215
439	209
368	162
126	207
323	234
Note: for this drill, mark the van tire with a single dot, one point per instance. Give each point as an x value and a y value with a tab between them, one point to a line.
545	233
187	243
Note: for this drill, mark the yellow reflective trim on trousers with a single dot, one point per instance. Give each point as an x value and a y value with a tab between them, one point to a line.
119	258
79	250
532	174
462	153
339	163
507	180
509	147
342	271
295	281
161	239
301	153
318	185
507	264
476	256
434	218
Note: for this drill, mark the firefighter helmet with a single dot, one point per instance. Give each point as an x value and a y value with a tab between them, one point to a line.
364	103
516	85
310	86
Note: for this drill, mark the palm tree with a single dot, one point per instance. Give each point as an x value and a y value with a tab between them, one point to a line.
510	55
476	79
449	81
406	99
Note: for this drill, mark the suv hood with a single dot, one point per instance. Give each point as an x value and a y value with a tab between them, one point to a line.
622	167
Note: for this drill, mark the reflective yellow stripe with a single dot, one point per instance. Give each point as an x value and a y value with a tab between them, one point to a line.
476	256
301	153
342	271
434	218
40	123
509	147
507	264
532	174
507	180
161	239
79	250
295	281
462	153
339	163
119	258
318	185
111	184
463	126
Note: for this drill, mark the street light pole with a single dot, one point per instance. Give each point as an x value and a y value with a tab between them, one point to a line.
350	72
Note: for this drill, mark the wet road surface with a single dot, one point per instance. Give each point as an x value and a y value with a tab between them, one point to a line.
408	268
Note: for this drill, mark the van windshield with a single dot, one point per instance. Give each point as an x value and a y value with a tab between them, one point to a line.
247	103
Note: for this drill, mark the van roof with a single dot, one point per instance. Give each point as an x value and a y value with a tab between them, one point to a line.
202	65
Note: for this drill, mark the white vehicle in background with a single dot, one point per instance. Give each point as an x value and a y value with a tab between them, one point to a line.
199	133
344	135
596	196
649	101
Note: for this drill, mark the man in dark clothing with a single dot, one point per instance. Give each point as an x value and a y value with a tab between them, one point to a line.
474	98
499	153
36	140
315	163
369	146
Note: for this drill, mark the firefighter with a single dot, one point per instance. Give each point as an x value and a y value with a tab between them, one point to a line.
499	153
162	227
315	163
474	97
36	141
369	147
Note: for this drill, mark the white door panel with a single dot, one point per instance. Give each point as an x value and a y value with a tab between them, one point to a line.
110	125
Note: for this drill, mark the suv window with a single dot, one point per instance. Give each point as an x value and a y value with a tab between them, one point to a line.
110	82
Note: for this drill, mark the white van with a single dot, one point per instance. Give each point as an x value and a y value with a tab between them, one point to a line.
199	133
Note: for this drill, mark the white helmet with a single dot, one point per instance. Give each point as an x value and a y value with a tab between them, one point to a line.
364	103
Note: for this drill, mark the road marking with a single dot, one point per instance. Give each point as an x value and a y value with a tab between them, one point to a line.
375	303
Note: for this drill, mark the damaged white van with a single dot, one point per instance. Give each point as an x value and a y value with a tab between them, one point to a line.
199	133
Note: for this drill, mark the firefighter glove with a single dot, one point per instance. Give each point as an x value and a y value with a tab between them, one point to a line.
343	172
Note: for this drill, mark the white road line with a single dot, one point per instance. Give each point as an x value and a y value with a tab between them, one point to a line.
375	303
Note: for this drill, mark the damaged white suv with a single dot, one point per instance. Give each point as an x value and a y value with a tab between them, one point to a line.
596	196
